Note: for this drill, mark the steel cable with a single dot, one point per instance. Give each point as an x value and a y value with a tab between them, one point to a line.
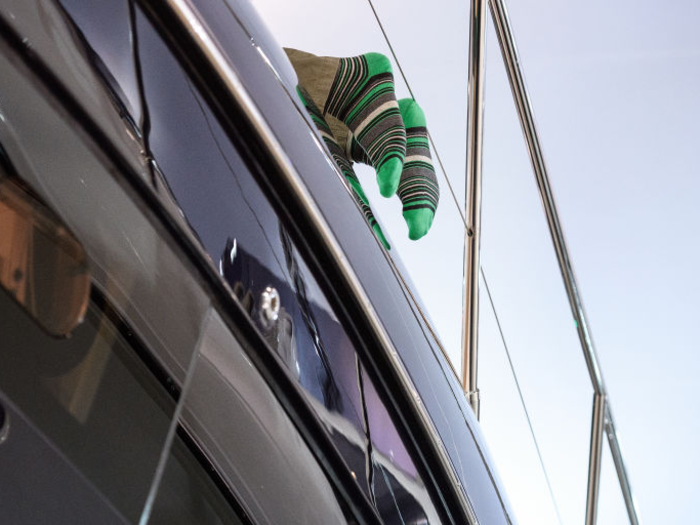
520	394
483	275
430	138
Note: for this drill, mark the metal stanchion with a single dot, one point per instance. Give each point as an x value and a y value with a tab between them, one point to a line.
522	103
470	310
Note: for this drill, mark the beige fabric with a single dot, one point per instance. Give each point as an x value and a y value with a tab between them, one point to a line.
316	75
341	133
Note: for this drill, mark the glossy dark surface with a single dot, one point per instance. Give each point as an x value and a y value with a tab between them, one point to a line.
106	30
115	417
236	224
134	262
30	495
425	363
224	207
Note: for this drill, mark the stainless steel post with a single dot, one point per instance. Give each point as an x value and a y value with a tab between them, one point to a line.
527	121
594	459
522	103
620	466
472	240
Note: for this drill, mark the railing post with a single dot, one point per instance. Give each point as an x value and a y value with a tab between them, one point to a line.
594	460
622	476
527	121
472	240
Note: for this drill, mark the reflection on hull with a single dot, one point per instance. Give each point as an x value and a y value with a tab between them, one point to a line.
313	346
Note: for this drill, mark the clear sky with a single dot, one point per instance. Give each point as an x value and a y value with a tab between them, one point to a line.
614	87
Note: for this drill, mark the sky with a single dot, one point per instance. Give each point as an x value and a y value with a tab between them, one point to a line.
614	89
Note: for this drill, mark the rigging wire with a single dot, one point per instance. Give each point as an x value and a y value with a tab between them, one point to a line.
520	394
483	275
430	138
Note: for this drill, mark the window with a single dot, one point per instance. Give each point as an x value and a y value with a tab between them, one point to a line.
254	252
91	416
91	396
187	494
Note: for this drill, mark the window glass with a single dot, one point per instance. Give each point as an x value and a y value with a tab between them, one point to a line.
255	254
239	230
243	429
125	413
90	400
55	493
187	494
104	28
91	396
394	485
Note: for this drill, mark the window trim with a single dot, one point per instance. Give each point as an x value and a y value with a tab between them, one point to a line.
238	115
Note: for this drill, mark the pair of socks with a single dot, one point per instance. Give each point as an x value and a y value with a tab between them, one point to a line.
418	187
358	100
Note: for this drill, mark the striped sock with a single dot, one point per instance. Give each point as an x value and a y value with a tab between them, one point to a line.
343	163
418	187
362	97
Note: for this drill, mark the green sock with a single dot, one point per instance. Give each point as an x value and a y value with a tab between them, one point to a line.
362	97
418	187
343	163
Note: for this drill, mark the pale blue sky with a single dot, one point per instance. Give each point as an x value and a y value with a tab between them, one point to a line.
614	87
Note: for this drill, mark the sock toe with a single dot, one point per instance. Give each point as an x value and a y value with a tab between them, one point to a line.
419	222
388	177
418	187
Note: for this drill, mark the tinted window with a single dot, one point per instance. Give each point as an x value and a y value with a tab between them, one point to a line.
106	32
254	252
242	234
135	264
187	494
91	396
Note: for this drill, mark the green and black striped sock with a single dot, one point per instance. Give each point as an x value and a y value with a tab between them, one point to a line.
343	163
362	97
418	186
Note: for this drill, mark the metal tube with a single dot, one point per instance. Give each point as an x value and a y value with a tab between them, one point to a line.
625	486
595	457
522	102
472	239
